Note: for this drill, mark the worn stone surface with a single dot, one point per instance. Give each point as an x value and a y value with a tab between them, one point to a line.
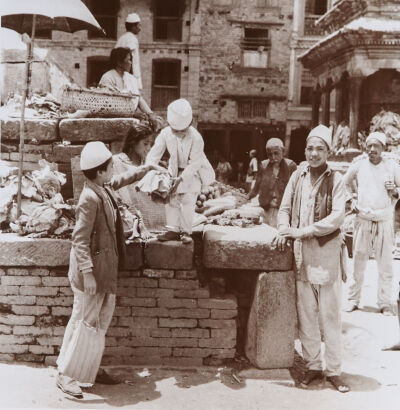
168	255
271	323
134	256
64	153
21	251
229	247
35	129
95	129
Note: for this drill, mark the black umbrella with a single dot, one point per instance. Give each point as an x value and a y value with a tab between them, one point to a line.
25	16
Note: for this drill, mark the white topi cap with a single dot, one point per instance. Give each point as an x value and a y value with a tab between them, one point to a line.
274	143
94	153
179	114
323	132
379	136
132	18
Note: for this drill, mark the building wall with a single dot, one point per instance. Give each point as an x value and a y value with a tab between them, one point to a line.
73	50
222	77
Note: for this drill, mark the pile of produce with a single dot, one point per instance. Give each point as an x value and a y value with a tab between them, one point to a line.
44	212
389	123
236	217
43	106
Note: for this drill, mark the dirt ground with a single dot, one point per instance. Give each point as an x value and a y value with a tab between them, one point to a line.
372	374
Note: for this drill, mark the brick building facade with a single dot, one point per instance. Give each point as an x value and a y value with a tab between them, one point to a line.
235	60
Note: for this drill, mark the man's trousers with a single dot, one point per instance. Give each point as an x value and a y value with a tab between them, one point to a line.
319	305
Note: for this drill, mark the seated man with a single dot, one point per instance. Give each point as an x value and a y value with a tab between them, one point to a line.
272	179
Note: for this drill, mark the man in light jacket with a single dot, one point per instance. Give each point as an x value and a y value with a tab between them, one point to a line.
186	149
311	213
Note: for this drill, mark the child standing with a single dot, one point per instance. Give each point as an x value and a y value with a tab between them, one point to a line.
98	250
186	149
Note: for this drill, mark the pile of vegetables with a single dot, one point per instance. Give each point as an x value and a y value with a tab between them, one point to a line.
208	193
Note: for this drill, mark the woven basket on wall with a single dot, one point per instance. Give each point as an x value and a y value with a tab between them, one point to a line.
99	102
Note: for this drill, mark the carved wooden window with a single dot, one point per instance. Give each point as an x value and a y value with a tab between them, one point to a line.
255	47
166	82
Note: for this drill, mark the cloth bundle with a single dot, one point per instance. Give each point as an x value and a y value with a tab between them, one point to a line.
157	184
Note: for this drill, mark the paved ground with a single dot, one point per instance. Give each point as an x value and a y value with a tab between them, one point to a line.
373	375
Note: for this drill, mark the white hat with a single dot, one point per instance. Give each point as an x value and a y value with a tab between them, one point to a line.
274	142
380	136
179	114
94	153
323	132
132	18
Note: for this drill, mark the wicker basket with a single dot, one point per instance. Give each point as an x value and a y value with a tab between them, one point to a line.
99	102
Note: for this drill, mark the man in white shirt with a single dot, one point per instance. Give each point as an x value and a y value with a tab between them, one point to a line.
130	40
376	178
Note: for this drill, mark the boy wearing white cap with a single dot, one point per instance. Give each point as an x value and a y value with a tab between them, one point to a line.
311	212
97	252
376	178
186	149
130	40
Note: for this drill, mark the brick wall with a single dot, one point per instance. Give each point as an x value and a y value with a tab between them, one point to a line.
221	71
163	315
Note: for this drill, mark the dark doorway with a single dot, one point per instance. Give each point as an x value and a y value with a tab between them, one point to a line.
166	82
297	144
96	67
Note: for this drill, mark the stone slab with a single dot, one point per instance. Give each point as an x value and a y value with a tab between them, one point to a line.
64	153
22	251
134	256
229	247
168	255
43	130
272	321
83	130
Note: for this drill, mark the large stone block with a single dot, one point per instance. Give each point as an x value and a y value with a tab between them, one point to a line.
134	256
272	320
22	251
228	247
95	129
35	129
168	255
64	153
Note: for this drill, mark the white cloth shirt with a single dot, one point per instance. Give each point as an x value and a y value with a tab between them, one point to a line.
129	40
124	84
374	202
186	153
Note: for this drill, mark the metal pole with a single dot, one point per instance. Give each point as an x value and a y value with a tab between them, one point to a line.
22	122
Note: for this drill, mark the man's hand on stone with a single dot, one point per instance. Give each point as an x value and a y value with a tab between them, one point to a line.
279	242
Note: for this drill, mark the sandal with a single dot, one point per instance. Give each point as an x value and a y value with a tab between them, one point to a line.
338	384
310	376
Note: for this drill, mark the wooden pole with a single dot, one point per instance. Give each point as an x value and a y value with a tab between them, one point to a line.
22	121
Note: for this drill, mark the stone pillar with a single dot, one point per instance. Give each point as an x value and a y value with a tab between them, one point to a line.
316	101
326	106
339	103
354	98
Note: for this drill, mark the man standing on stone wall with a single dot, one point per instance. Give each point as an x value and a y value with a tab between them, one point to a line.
311	213
271	180
130	40
377	179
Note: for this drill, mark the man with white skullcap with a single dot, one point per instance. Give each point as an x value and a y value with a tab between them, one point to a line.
271	180
130	40
376	179
185	146
311	213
